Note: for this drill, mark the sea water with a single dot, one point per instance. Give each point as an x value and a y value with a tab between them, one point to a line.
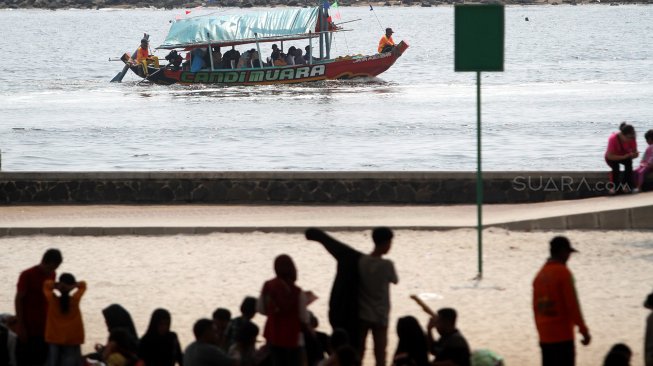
572	74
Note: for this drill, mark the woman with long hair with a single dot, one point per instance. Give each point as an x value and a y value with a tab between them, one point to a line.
159	346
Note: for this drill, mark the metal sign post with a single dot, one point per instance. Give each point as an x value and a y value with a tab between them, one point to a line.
479	38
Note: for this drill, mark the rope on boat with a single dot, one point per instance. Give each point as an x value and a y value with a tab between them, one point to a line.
377	18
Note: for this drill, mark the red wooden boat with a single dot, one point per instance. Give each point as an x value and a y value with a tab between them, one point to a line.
208	33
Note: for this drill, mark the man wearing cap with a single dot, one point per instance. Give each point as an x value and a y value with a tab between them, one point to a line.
556	307
143	55
386	44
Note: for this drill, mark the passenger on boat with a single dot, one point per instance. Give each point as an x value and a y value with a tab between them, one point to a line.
290	57
217	58
143	55
386	44
276	53
244	61
299	58
230	58
281	61
197	62
307	55
255	59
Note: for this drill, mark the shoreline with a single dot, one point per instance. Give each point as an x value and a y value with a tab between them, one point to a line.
183	4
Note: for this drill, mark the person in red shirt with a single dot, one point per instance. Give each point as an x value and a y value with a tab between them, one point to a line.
284	304
556	307
32	308
622	149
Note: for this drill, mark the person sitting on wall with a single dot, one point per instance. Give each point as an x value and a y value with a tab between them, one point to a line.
386	44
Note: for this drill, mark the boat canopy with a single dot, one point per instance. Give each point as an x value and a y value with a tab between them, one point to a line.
229	30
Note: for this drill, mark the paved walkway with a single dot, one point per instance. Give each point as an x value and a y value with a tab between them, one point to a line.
609	213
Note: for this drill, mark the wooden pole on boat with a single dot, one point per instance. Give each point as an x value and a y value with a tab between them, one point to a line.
327	41
208	37
321	17
258	49
310	49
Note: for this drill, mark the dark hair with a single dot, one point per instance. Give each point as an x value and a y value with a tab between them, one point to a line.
626	129
284	268
201	327
648	135
312	320
222	314
412	341
619	355
648	303
381	236
449	315
64	299
248	306
158	316
52	256
116	316
559	245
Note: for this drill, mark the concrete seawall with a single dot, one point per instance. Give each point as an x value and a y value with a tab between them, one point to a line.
401	188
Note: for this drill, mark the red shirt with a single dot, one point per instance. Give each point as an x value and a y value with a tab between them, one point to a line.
35	306
619	147
283	325
555	304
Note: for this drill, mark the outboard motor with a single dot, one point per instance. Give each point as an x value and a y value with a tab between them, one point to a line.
174	60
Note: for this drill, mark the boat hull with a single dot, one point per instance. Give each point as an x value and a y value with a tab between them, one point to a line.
337	69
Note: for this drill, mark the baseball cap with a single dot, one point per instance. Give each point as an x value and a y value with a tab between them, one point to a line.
560	244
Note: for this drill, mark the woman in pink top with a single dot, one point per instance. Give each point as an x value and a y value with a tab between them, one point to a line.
646	164
622	149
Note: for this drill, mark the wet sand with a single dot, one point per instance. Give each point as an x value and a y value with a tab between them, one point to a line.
193	275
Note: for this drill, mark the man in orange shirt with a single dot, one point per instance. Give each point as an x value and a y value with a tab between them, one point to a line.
386	44
556	307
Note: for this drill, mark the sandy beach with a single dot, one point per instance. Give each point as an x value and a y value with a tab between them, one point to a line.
193	275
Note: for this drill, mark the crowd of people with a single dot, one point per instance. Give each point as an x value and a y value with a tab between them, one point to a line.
48	328
622	150
202	58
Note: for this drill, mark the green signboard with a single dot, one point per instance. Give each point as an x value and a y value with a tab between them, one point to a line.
479	31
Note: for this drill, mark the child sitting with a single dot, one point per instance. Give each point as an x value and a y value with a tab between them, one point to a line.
646	164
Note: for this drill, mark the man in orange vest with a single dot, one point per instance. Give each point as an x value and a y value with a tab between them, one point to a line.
386	44
556	307
143	55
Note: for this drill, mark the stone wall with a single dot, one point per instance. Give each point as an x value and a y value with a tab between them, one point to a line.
295	187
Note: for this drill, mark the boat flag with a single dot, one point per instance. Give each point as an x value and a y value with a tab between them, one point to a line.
188	12
335	6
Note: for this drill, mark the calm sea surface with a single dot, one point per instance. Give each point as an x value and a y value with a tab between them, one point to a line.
572	74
